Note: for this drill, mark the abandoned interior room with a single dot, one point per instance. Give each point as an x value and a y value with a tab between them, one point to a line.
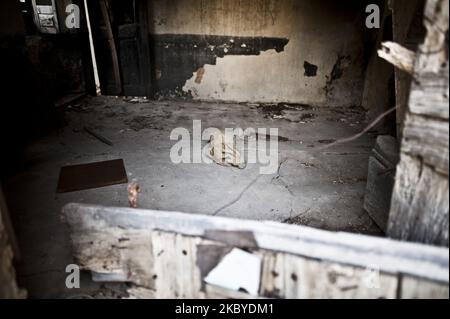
117	165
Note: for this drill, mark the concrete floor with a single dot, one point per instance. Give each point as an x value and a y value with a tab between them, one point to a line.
322	189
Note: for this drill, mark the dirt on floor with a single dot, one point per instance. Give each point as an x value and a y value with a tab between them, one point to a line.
318	188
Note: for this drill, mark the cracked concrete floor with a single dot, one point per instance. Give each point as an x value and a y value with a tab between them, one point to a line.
322	189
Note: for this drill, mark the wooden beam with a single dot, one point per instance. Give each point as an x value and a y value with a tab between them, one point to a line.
420	201
144	45
400	57
86	222
112	47
92	50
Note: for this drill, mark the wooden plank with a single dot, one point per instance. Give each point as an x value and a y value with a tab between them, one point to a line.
413	288
144	45
420	202
112	47
434	51
419	209
292	277
427	139
388	255
429	97
124	254
404	14
397	55
175	272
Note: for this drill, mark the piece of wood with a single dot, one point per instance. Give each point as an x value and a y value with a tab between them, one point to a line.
413	288
434	51
420	202
144	45
429	97
427	139
118	253
98	136
398	56
175	271
405	23
292	277
166	255
92	175
92	50
112	47
361	251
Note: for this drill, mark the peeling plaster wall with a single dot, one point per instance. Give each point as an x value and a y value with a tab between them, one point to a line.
323	62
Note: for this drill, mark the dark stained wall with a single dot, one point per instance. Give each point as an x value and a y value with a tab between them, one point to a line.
301	51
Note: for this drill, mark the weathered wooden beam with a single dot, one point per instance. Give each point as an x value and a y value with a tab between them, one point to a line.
427	139
112	47
429	97
404	24
398	56
101	228
419	210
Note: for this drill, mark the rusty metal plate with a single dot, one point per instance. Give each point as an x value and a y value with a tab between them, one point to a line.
92	175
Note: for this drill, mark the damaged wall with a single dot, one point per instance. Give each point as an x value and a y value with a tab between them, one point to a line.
311	52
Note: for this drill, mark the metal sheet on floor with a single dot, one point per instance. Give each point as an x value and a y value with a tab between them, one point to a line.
92	175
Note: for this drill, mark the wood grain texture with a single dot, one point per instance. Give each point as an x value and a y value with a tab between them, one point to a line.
420	204
291	277
404	14
357	250
427	139
420	201
429	97
116	252
413	288
398	56
175	268
167	255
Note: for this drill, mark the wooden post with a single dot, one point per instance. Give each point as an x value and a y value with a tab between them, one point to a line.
420	201
144	45
112	46
92	48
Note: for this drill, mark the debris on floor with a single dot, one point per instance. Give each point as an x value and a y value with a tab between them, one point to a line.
136	99
223	150
98	136
133	191
92	175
